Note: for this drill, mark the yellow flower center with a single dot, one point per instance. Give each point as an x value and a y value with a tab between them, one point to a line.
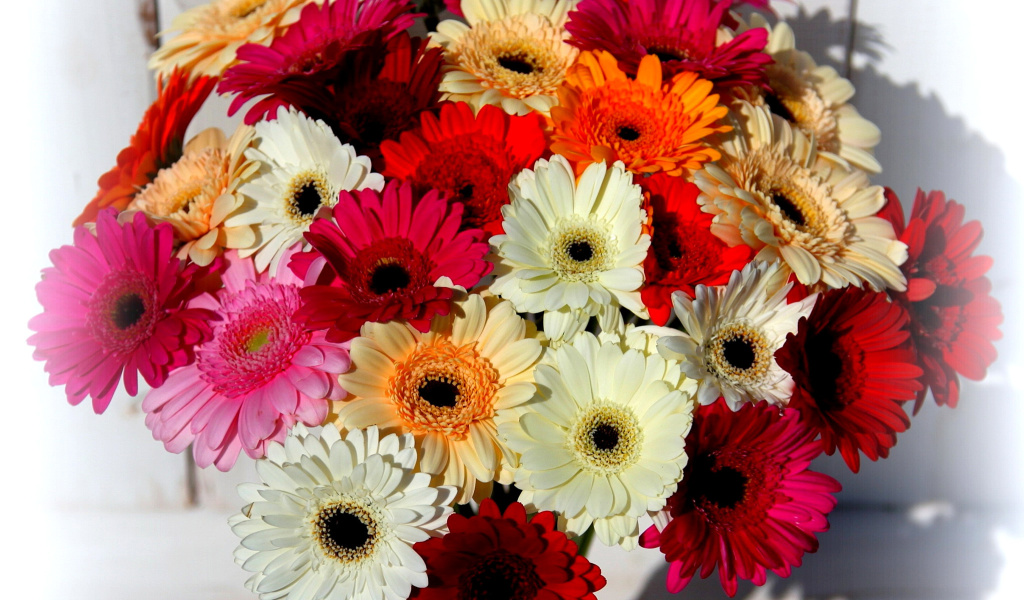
257	341
346	530
579	251
606	438
738	353
307	192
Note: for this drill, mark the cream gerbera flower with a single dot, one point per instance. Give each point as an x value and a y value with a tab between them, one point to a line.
444	386
569	245
602	441
198	192
512	54
732	333
210	34
770	192
815	99
337	518
303	167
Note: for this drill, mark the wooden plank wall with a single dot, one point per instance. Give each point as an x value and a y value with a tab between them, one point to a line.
117	512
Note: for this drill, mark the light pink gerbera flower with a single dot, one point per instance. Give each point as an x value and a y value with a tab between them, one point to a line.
113	309
261	374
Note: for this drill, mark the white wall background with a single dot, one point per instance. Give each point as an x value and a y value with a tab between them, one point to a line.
96	509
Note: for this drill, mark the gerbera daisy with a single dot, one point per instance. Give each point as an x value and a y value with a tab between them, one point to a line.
854	367
732	333
747	503
471	159
198	192
571	245
770	192
495	555
601	443
113	308
953	317
382	257
337	518
444	386
303	168
684	34
260	374
512	54
815	100
299	64
210	34
156	144
683	252
605	115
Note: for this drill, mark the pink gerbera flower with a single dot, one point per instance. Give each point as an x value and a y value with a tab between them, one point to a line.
113	307
380	258
260	374
747	503
296	66
682	33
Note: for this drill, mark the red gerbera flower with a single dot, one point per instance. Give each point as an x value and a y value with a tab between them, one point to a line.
296	67
470	158
683	251
853	367
112	306
492	555
385	250
747	503
953	318
682	33
157	143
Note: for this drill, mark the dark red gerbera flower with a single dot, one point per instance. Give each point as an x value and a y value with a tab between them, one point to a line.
157	143
470	158
953	317
683	251
747	503
491	555
854	367
380	257
682	33
296	67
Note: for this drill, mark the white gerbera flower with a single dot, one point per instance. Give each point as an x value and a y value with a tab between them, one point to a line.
732	333
336	518
602	442
571	246
512	54
770	191
303	167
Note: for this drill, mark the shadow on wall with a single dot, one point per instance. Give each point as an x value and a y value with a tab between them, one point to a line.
875	550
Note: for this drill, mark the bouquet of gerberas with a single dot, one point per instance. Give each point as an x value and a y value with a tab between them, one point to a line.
559	265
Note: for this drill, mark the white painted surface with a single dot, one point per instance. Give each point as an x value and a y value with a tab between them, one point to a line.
98	507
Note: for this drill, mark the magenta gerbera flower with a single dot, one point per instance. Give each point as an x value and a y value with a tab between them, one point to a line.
260	374
682	33
380	256
747	503
297	66
113	308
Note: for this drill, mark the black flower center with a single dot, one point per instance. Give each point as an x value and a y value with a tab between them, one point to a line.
580	251
517	63
466	191
824	368
789	209
500	576
388	277
628	133
439	393
605	437
127	311
777	107
307	200
346	530
739	352
665	54
723	486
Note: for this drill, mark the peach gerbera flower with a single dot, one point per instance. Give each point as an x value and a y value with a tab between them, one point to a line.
198	192
651	126
210	34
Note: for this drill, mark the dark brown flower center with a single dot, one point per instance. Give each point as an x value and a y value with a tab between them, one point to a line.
127	311
789	209
580	251
739	352
777	107
605	437
500	576
389	277
346	532
628	133
517	63
439	393
722	486
307	199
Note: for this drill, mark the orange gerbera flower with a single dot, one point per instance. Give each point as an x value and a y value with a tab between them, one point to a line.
157	143
648	124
